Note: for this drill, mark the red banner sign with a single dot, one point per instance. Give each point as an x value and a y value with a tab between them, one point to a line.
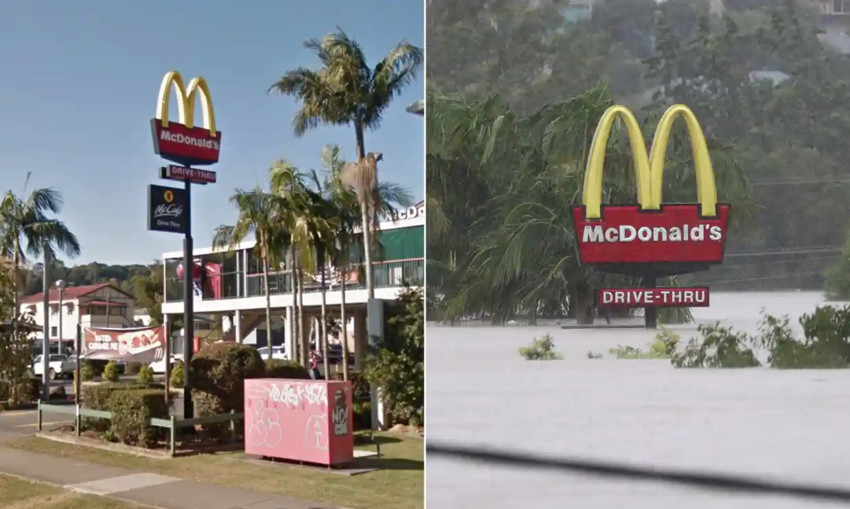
654	297
676	233
143	345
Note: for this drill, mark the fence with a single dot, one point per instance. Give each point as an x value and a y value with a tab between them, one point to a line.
172	424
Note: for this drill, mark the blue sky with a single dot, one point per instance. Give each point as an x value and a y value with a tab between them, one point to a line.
78	88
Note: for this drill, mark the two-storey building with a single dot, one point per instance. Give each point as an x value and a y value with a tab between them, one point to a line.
101	305
228	285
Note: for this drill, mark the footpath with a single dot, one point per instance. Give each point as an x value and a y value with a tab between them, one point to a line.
144	488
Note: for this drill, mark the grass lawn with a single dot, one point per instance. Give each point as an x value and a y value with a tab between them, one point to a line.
17	494
399	484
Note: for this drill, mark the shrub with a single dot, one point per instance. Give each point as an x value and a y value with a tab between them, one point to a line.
397	362
720	347
133	368
541	349
276	368
5	392
177	375
591	355
145	374
131	413
362	415
87	371
96	397
218	374
110	371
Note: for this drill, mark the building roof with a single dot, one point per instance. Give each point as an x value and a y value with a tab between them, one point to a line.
418	107
70	293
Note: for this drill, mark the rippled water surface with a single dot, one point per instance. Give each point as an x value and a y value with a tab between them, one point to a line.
782	425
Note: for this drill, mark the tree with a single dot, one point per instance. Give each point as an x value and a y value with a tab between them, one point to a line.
15	349
345	90
148	290
259	213
397	363
287	183
25	228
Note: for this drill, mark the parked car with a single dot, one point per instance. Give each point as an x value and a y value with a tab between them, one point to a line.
59	365
278	352
158	367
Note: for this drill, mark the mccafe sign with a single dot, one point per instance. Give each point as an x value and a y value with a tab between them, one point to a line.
167	209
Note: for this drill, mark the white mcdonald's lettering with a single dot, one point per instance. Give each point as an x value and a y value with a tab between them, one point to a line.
188	140
628	233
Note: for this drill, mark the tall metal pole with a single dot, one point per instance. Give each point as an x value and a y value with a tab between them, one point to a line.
45	344
188	306
78	345
650	313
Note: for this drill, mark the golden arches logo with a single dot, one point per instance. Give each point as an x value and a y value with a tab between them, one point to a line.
649	168
186	97
168	196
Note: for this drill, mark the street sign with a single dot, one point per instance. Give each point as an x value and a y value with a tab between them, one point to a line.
167	209
183	173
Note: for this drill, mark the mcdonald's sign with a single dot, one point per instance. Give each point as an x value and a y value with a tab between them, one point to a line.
650	237
182	142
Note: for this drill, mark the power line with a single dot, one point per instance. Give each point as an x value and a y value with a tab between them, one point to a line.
786	251
800	181
778	262
762	278
694	479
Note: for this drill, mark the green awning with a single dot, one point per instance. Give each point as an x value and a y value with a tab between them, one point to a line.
402	243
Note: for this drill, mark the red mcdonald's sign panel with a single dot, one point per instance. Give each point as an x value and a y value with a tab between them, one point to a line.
650	237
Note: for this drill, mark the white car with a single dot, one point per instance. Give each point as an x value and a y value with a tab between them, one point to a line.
58	366
278	352
158	367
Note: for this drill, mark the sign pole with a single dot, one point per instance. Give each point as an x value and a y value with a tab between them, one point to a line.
650	313
78	369
188	305
45	343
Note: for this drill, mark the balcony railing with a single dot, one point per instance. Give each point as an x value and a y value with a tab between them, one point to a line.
389	274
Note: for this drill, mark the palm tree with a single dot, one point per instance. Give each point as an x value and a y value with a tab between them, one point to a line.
26	229
345	90
259	213
362	177
287	182
340	191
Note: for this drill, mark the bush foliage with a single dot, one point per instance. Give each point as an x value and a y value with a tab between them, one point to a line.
131	413
177	376
397	363
218	374
276	368
145	374
826	343
541	349
110	371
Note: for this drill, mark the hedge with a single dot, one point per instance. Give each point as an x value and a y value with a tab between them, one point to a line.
276	368
217	376
131	414
97	396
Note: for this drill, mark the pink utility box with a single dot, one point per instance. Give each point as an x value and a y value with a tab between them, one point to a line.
299	420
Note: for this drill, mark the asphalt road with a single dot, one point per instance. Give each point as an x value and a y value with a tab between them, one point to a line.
18	423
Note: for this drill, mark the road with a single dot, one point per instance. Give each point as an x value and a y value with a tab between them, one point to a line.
18	423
